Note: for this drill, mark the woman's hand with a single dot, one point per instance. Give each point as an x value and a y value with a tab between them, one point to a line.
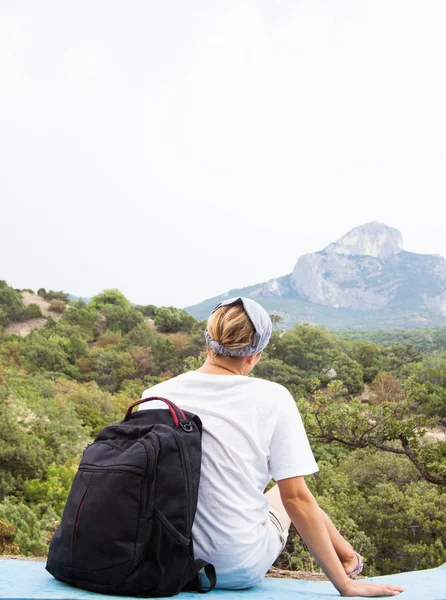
371	590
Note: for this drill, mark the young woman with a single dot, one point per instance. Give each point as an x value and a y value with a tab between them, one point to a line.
252	432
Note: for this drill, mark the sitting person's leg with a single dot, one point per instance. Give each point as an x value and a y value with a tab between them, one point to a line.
351	560
278	515
348	557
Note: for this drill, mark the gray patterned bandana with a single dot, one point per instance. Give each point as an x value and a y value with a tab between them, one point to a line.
261	322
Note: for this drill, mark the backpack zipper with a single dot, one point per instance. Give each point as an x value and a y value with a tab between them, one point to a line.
149	449
188	474
79	508
107	443
115	469
149	489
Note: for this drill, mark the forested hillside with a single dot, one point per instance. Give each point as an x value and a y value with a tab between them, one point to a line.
375	413
424	340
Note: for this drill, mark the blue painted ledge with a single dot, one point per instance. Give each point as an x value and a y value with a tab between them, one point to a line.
24	580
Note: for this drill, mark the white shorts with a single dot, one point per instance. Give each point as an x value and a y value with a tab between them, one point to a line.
251	571
279	526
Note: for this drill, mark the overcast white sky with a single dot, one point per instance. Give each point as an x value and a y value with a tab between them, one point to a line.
176	149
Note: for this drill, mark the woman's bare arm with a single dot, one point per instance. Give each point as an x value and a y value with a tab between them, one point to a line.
304	512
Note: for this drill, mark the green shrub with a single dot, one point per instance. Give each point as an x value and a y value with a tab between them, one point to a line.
53	354
53	295
80	315
27	527
149	311
99	365
108	338
11	303
57	306
111	297
431	373
7	535
32	311
94	407
170	319
53	488
143	335
21	456
122	318
3	316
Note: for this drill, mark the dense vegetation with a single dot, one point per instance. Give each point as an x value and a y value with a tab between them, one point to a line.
367	408
424	340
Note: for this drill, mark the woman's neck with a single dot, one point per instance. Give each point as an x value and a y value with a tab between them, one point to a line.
222	368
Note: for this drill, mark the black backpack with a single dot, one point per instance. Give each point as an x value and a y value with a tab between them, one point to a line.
126	526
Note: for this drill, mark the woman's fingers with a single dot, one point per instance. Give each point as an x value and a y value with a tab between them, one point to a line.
372	590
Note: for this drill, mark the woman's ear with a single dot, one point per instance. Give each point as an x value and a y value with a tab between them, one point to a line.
252	360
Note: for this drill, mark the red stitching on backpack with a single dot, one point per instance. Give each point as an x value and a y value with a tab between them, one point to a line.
174	415
171	404
77	518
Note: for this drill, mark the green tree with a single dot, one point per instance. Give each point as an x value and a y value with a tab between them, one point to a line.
167	358
309	349
94	407
277	321
431	373
80	315
273	369
349	372
108	366
123	319
194	344
32	311
143	335
7	535
111	297
57	305
169	319
192	364
11	303
21	455
389	425
27	527
51	490
402	358
55	354
53	295
39	429
313	352
371	357
143	361
108	339
414	530
99	365
148	311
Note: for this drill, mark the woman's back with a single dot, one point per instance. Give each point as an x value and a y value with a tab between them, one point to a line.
251	432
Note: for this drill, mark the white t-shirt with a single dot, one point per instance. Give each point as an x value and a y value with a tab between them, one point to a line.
252	431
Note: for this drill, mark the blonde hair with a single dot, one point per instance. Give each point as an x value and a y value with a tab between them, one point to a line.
231	327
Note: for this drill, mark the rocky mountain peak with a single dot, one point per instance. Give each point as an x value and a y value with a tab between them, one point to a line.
365	279
372	239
